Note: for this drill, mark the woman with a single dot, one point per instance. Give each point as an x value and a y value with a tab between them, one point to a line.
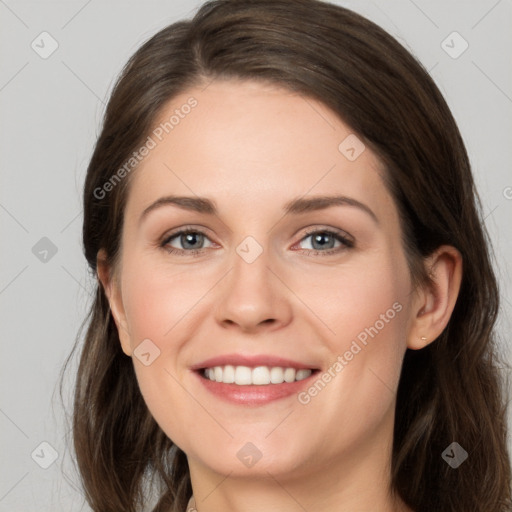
295	301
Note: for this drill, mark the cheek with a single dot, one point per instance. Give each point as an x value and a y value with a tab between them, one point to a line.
160	306
366	312
155	301
358	301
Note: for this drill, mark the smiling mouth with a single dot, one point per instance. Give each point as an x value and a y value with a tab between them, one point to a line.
255	376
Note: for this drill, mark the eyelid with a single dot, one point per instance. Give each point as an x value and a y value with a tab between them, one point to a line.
330	230
182	230
163	242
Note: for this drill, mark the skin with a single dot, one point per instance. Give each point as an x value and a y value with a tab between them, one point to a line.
251	148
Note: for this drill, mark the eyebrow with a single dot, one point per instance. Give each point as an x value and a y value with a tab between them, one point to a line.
295	206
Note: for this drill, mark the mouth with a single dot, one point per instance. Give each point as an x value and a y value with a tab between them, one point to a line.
253	380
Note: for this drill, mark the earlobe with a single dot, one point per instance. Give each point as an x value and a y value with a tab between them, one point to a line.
434	303
112	291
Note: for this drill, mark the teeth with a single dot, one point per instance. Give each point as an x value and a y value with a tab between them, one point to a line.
302	374
276	375
243	375
259	376
228	374
289	375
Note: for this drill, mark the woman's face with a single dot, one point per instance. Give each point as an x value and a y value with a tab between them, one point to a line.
294	261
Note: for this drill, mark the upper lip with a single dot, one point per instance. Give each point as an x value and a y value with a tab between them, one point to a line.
251	361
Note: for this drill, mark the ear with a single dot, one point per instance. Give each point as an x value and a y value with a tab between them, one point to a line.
433	303
112	290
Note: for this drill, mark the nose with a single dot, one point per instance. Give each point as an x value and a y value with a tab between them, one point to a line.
253	297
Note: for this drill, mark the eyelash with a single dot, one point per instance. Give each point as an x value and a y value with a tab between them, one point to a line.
346	242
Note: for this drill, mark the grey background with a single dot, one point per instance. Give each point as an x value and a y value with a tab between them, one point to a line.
51	112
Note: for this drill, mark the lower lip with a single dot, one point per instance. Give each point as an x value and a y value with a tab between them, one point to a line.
251	394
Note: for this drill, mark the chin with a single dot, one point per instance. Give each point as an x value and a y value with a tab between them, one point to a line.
252	459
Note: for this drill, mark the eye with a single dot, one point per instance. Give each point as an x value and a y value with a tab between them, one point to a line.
190	241
326	241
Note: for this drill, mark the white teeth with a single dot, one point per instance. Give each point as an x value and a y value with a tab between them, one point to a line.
243	375
302	374
289	375
260	375
228	374
276	375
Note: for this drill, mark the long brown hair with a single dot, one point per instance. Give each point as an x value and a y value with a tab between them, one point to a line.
449	391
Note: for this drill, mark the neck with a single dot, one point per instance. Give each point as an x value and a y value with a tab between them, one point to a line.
276	496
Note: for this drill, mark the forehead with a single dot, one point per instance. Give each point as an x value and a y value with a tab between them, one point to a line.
256	144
